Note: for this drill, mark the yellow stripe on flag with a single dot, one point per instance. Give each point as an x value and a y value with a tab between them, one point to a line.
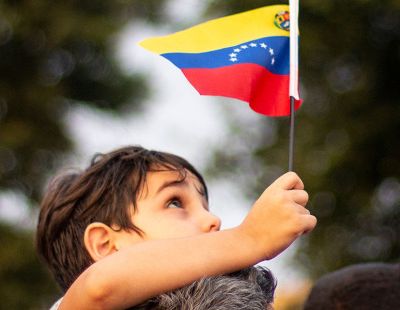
220	33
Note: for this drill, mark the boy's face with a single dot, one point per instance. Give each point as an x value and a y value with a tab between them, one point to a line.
170	207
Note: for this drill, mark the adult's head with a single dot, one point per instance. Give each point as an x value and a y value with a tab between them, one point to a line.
251	288
362	286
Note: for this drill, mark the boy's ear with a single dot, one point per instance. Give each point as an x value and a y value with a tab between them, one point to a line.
99	240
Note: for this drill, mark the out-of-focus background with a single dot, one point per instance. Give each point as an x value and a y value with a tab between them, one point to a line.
74	82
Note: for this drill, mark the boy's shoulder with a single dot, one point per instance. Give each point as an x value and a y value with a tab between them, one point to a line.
56	305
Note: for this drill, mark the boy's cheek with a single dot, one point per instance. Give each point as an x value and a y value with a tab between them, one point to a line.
124	239
176	230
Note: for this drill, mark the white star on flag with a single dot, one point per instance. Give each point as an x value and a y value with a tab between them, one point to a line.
272	61
244	46
232	55
271	51
237	50
233	59
253	44
263	45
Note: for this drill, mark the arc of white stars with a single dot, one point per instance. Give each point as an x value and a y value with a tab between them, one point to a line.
234	58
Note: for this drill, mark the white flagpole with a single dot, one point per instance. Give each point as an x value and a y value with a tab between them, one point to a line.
294	72
294	49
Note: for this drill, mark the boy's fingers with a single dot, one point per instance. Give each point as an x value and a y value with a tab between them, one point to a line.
289	180
299	196
300	209
303	210
310	221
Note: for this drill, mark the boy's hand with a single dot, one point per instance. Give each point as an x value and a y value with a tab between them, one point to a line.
279	216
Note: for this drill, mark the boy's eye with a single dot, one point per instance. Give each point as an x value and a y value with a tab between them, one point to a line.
175	203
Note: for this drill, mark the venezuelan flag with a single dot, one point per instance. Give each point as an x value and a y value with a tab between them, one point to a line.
243	56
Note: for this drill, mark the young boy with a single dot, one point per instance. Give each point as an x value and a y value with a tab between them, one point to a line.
136	224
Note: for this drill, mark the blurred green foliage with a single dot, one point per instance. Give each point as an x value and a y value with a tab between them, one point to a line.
25	284
347	139
53	55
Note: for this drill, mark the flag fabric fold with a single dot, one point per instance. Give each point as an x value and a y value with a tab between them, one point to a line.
243	56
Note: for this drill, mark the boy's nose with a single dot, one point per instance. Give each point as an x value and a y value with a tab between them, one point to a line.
210	222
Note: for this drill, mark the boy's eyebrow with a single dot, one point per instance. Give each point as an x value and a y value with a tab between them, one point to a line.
179	182
170	183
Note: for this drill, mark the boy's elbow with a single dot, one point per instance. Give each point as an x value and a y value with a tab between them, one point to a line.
96	289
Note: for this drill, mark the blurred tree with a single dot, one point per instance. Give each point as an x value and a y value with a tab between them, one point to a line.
347	144
53	55
24	281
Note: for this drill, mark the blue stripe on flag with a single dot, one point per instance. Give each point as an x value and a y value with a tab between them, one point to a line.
270	52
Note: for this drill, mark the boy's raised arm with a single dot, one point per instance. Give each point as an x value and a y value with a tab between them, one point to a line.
139	272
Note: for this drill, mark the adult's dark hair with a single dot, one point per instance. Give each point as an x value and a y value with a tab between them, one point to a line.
362	286
252	288
104	192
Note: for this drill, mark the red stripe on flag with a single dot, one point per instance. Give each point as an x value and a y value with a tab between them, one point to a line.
267	93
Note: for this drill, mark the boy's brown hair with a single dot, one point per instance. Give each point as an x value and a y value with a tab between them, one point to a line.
104	192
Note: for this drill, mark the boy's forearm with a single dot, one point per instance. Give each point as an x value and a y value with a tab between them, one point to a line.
147	269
